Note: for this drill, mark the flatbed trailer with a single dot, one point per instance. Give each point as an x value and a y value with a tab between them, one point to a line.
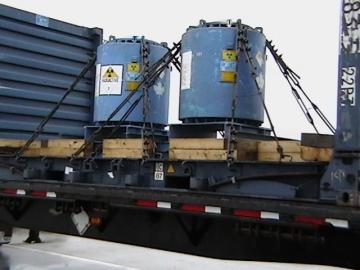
183	201
216	225
249	195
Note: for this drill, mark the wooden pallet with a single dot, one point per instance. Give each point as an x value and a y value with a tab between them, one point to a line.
61	148
246	150
9	146
44	148
267	151
180	149
316	153
293	151
127	148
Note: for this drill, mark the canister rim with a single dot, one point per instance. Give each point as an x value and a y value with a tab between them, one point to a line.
134	39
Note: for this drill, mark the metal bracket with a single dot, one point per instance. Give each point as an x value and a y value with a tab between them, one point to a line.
89	165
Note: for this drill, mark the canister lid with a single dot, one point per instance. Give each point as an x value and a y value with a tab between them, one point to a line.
224	24
135	39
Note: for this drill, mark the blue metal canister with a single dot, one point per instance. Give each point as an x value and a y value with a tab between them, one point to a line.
214	77
118	69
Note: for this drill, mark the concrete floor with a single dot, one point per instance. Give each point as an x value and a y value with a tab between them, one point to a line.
68	252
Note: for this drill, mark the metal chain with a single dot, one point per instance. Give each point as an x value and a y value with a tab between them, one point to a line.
293	80
154	72
145	51
176	63
250	61
153	76
231	140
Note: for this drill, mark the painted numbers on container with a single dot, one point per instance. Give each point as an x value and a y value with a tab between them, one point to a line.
348	87
159	171
186	70
109	80
350	37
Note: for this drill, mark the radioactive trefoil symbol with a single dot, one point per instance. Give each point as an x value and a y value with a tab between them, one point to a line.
110	73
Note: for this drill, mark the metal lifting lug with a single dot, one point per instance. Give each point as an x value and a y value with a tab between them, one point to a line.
47	162
116	165
202	23
188	167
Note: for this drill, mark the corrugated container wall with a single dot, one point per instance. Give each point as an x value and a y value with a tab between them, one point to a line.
39	59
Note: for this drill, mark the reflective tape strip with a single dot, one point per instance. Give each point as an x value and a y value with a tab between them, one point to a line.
166	205
39	193
10	191
247	213
212	209
309	220
145	203
51	194
20	192
269	215
339	223
197	208
68	170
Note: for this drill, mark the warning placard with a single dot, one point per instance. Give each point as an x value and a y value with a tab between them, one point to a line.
186	70
110	79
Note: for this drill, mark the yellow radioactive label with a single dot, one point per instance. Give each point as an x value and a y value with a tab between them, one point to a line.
229	55
228	76
134	67
132	85
110	74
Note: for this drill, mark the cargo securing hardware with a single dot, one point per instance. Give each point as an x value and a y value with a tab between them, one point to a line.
85	148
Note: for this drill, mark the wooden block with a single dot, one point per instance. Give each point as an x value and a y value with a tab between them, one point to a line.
275	156
61	147
122	153
316	154
64	143
32	152
267	151
288	146
197	143
196	154
17	143
126	148
127	144
9	147
247	149
45	148
58	152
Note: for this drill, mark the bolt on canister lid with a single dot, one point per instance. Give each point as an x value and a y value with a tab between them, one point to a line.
135	39
223	24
